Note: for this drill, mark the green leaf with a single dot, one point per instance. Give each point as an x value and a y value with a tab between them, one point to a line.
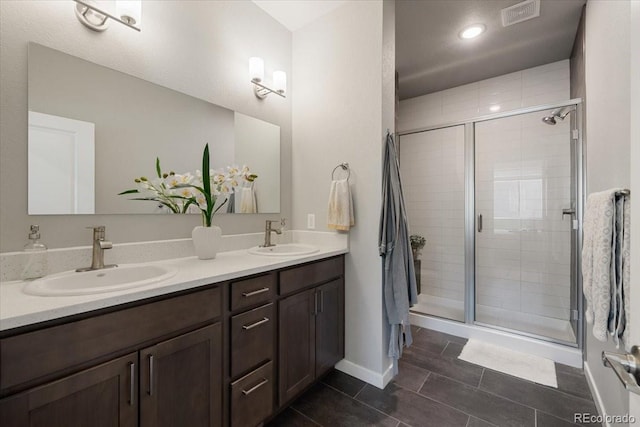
128	192
158	167
206	184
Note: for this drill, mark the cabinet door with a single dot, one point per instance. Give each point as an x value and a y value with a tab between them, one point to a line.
181	380
105	395
297	350
329	325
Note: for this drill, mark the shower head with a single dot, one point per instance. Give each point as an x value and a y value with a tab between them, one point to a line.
558	113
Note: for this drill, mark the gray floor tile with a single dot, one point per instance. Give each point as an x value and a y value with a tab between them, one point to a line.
568	369
343	382
410	376
411	408
537	396
447	366
433	340
572	383
478	403
453	350
475	422
329	407
291	418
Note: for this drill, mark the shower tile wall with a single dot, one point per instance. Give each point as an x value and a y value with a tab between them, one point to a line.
534	86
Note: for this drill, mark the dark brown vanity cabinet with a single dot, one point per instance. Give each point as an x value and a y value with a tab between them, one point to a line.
105	395
227	354
74	374
181	381
311	326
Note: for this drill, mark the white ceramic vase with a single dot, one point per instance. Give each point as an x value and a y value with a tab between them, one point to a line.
206	241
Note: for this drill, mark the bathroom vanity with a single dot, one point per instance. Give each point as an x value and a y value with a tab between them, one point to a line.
228	353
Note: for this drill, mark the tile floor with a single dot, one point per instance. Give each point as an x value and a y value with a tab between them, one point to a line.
434	388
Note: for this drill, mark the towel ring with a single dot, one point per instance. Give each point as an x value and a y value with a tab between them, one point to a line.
344	166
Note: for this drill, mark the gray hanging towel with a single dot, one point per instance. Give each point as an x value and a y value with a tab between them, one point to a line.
398	275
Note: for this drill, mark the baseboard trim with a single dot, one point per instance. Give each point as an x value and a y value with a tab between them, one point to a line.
595	393
367	375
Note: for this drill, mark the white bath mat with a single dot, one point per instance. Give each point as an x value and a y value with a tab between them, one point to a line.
522	365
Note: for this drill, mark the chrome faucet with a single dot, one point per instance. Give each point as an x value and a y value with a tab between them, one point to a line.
268	229
99	246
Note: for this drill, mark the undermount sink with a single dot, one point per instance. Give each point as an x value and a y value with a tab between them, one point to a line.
120	278
286	249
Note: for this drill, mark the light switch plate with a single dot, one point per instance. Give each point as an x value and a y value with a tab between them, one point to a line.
311	221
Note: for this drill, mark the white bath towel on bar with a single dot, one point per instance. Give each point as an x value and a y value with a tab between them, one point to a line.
340	215
605	260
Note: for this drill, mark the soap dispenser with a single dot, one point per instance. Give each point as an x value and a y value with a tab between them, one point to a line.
36	256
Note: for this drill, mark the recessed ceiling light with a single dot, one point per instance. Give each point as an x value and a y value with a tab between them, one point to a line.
472	31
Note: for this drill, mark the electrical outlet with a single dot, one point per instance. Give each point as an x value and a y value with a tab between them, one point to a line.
311	221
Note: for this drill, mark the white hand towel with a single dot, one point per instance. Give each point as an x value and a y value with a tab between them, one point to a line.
340	215
248	202
603	255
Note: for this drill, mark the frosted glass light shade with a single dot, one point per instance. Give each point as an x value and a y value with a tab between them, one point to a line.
256	69
280	81
130	11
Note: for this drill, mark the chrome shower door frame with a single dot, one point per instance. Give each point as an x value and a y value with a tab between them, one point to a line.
470	214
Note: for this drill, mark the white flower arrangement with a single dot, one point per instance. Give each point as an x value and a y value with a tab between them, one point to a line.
182	193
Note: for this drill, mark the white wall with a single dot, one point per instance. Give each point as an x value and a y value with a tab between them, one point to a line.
337	115
200	48
634	399
607	73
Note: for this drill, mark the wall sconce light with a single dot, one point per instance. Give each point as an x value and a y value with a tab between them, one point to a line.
128	12
256	74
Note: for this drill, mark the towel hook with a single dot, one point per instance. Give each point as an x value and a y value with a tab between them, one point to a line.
344	166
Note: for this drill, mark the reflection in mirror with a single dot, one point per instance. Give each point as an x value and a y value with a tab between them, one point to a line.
103	128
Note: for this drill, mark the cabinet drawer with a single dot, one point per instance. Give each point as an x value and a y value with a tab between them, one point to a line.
252	397
250	292
38	356
252	338
298	278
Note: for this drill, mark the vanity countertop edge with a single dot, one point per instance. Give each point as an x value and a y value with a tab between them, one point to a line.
18	309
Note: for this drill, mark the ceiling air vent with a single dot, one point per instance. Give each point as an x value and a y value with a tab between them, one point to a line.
520	12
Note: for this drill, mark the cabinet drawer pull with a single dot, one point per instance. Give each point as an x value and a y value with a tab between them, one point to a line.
321	301
253	325
150	375
255	387
132	383
256	292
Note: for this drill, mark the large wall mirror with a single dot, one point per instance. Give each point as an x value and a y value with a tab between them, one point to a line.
93	130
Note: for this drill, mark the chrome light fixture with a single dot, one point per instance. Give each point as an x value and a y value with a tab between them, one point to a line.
256	74
128	12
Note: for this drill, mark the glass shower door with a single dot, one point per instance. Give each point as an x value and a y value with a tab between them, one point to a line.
433	177
523	182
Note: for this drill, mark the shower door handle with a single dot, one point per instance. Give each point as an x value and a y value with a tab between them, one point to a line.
568	211
480	223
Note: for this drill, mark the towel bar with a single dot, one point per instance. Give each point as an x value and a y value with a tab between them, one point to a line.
624	192
344	166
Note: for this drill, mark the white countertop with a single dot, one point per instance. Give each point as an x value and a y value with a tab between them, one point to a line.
19	309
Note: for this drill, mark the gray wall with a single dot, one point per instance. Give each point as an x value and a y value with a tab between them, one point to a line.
607	77
200	48
337	115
